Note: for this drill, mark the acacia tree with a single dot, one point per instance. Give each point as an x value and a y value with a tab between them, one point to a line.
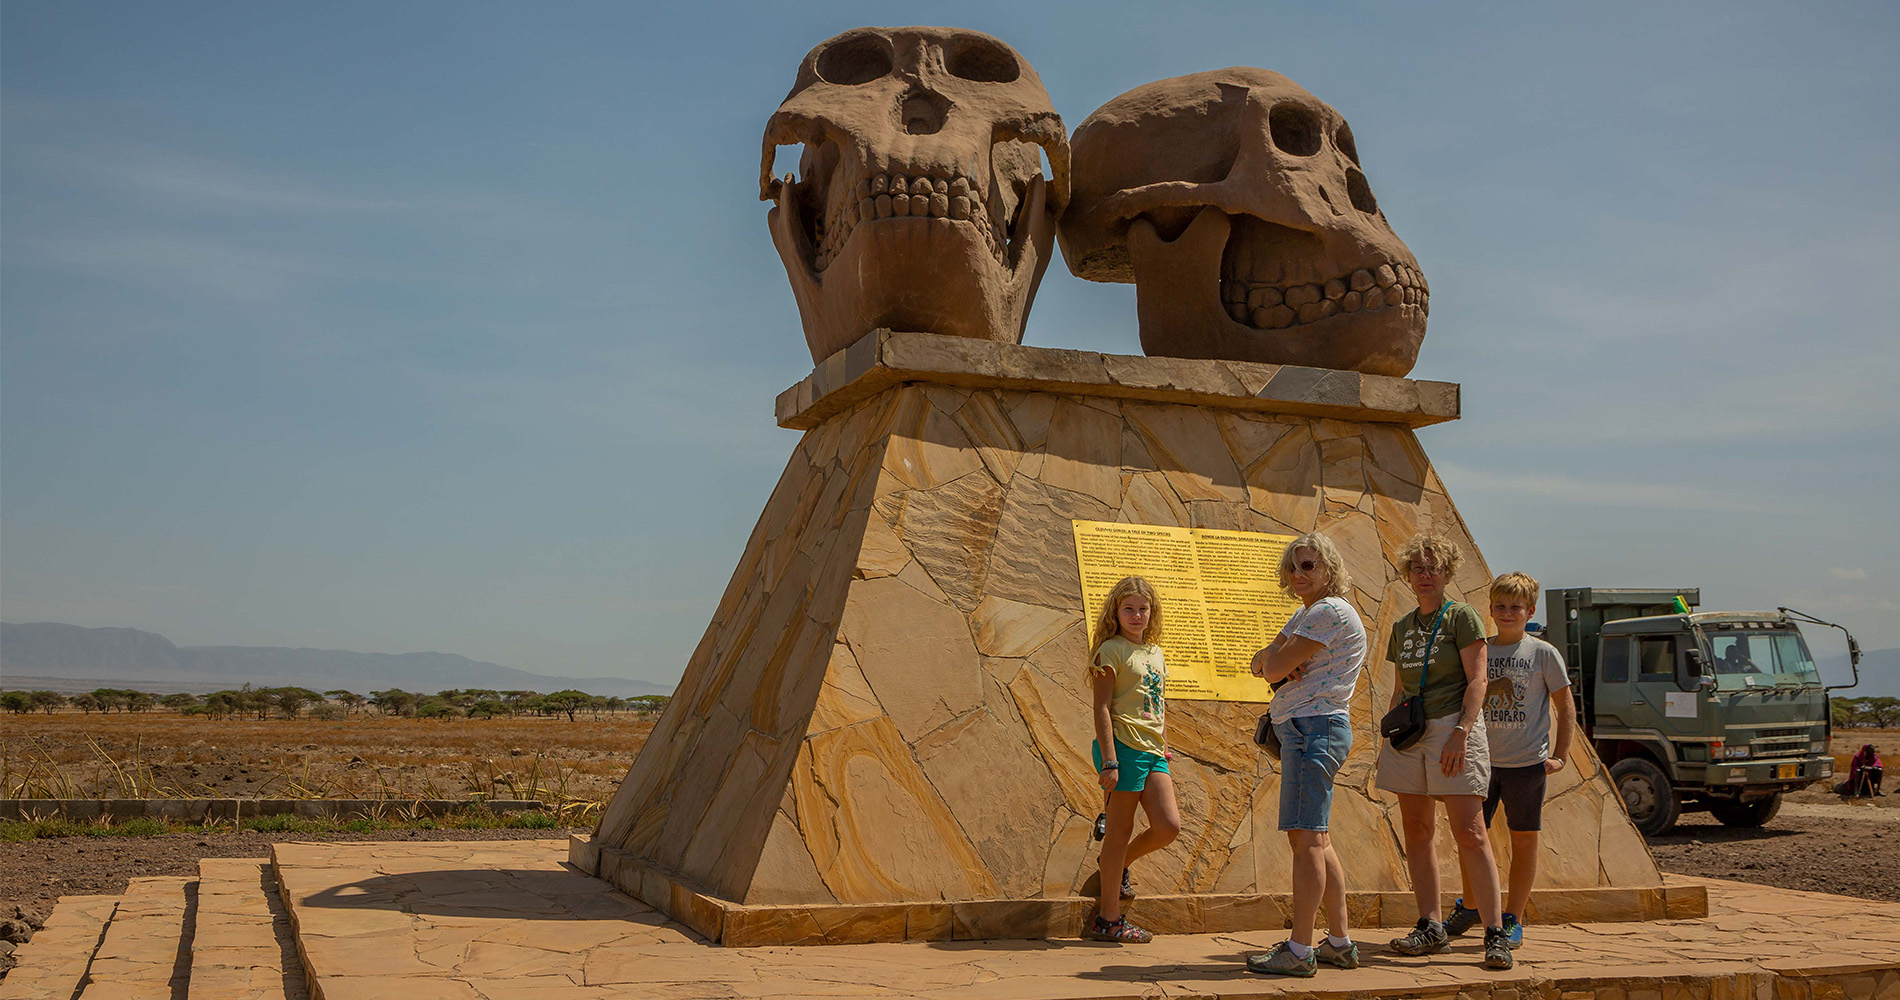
394	701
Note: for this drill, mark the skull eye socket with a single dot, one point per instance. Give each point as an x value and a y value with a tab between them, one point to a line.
1360	191
1343	139
980	60
1295	129
855	61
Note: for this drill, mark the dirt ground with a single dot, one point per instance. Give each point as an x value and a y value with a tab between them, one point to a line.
1818	842
165	755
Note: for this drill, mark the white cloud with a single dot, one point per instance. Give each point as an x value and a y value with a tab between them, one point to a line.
1597	493
224	269
1855	573
202	184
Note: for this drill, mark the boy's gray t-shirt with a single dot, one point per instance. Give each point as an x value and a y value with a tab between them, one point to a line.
1520	678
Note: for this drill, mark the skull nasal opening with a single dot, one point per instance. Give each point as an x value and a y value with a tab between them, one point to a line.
923	113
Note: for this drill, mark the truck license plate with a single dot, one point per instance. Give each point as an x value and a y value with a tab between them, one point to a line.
1786	771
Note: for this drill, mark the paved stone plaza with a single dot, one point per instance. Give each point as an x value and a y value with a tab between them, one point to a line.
510	920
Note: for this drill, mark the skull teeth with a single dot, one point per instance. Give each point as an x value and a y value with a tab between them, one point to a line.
1268	305
892	195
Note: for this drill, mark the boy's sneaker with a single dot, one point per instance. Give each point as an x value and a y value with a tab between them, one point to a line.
1427	937
1344	958
1497	949
1462	918
1513	931
1282	962
1128	885
1119	932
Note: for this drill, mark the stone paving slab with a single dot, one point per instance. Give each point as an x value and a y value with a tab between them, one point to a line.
242	946
146	951
509	921
54	963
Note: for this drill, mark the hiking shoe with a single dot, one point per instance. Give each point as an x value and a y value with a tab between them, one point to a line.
1282	962
1118	932
1128	885
1462	918
1513	931
1497	949
1344	958
1101	825
1427	937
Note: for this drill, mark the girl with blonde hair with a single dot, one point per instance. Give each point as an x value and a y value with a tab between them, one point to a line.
1127	678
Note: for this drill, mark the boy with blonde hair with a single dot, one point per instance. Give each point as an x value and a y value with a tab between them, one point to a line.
1526	686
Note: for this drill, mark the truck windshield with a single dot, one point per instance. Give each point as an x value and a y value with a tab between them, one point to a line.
1745	659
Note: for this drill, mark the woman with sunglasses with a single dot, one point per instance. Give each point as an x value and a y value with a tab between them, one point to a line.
1322	647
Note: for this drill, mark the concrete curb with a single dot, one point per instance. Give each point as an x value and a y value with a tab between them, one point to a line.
228	810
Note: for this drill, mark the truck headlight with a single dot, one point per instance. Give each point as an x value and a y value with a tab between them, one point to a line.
1738	751
1818	746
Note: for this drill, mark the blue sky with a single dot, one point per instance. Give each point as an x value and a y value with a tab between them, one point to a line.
457	326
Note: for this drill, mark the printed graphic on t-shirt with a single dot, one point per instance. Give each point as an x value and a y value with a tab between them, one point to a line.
1152	704
1504	694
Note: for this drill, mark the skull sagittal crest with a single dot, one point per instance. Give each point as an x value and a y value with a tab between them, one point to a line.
920	202
1235	202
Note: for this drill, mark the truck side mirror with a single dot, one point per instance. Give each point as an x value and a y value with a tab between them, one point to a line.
1689	672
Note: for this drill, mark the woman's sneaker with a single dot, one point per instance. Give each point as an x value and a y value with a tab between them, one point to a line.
1462	918
1282	962
1344	958
1513	931
1427	937
1497	949
1119	932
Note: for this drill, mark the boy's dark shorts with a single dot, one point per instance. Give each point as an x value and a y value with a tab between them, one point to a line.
1521	789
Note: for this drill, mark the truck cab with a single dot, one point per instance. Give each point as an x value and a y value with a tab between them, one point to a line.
1717	711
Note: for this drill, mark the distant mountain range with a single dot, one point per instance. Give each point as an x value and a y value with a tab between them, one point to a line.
71	658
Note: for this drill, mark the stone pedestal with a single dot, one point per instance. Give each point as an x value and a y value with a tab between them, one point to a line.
884	734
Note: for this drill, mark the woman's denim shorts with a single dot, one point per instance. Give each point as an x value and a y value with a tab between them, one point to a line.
1312	748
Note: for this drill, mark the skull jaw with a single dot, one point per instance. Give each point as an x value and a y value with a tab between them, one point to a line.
927	275
1177	295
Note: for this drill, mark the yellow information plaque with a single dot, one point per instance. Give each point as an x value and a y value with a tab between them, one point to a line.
1220	591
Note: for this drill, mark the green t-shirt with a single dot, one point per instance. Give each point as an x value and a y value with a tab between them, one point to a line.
1138	709
1461	628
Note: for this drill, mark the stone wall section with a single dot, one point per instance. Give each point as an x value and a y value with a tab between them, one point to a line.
890	703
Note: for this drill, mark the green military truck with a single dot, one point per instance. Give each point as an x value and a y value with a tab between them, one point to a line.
1722	711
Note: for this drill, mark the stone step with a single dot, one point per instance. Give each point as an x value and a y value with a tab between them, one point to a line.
242	945
54	963
146	951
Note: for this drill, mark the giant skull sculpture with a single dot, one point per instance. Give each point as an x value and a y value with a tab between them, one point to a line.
919	202
1235	203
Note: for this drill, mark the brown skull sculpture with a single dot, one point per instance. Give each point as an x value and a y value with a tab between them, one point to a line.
1235	202
919	202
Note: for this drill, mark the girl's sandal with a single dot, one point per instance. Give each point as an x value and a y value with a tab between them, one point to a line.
1119	932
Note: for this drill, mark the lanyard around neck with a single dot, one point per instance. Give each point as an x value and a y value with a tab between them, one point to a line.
1430	645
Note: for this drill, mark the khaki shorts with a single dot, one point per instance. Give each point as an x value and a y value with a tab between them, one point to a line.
1416	771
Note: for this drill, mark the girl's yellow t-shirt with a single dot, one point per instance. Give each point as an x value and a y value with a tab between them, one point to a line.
1138	709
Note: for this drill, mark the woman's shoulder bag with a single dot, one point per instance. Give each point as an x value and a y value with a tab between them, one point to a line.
1406	723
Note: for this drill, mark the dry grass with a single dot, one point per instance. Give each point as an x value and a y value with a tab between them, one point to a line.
573	765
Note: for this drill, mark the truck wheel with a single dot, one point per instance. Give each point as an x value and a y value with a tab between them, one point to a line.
1651	800
1747	814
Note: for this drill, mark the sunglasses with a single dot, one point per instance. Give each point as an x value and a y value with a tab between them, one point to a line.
1305	566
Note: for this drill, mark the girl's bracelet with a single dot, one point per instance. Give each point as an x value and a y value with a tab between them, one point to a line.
1111	766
